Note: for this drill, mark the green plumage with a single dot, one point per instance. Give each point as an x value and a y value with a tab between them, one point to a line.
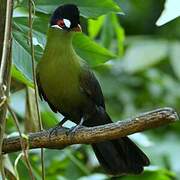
70	87
64	77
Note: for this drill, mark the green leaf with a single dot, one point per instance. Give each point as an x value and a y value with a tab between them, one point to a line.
10	172
152	173
20	12
170	12
17	102
88	8
77	162
18	75
144	54
16	163
107	31
90	51
175	58
110	27
119	34
21	57
167	154
94	26
40	27
22	69
31	114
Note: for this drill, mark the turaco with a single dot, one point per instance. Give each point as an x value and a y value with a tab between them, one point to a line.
70	87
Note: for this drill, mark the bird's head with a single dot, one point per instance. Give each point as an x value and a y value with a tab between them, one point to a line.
66	17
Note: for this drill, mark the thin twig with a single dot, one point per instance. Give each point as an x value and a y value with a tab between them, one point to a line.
24	146
89	135
6	44
5	67
31	2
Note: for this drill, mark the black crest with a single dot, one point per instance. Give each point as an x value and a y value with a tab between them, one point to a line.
67	11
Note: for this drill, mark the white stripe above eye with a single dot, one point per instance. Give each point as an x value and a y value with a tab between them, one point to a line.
67	23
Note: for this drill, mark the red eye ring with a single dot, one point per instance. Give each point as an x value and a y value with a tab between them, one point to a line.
60	23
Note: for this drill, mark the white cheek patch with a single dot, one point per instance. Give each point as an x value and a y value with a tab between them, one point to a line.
67	23
56	26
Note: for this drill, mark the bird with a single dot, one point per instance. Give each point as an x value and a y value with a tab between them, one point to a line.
70	87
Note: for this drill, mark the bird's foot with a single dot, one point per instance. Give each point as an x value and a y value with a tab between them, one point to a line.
59	125
72	130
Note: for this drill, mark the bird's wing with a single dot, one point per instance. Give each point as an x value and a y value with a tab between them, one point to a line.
41	92
91	87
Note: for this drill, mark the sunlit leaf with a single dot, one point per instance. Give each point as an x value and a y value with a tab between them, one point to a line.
110	28
20	12
144	54
170	12
94	26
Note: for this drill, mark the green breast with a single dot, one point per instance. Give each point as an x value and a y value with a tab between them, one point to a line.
59	71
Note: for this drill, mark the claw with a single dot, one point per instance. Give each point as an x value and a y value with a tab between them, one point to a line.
72	130
53	131
59	125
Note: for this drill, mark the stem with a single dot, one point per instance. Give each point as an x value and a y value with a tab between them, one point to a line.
31	2
5	67
2	24
23	146
6	45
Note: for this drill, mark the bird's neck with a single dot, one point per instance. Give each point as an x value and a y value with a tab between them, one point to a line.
59	52
60	42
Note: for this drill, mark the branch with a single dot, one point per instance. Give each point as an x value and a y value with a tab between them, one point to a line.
89	135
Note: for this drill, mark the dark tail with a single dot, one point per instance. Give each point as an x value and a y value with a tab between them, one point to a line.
119	156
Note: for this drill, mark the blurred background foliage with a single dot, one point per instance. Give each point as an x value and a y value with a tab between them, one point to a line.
137	64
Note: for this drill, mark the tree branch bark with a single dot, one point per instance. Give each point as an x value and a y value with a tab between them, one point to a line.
89	135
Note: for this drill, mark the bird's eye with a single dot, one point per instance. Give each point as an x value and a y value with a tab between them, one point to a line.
60	23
